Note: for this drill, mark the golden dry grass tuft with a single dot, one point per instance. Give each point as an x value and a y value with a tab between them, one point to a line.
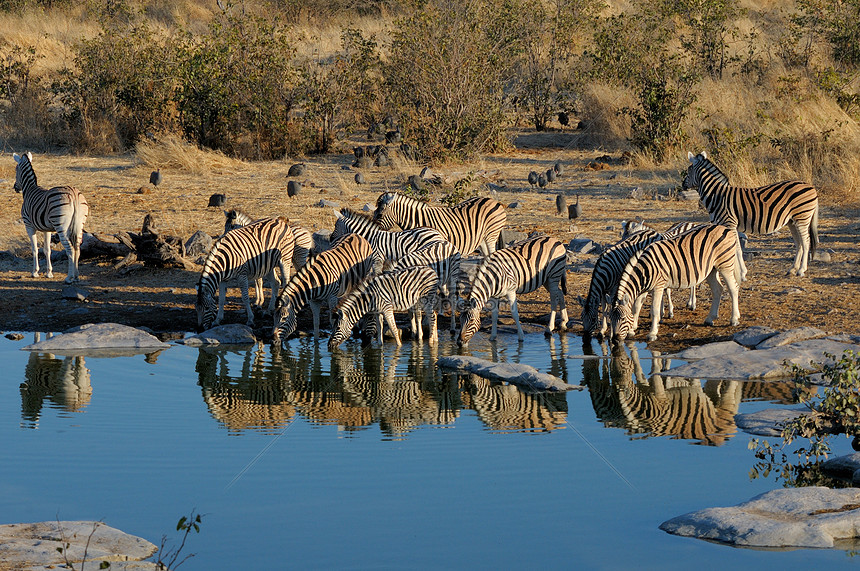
173	152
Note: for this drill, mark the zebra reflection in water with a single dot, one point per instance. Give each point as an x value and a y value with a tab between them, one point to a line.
655	405
64	381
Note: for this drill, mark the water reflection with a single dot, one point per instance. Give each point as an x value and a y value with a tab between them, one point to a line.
65	382
656	405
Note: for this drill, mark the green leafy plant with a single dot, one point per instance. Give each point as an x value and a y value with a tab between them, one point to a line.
169	558
835	411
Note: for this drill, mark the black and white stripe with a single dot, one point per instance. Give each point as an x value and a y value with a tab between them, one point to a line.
761	210
388	247
62	209
247	253
411	289
443	259
327	277
472	224
520	268
681	262
304	241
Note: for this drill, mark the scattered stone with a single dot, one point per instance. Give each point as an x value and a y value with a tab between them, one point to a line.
821	256
72	292
144	190
517	373
688	195
508	237
14	336
581	245
710	350
232	334
794	517
322	241
515	205
198	244
767	422
40	545
323	203
369	207
754	335
844	467
98	336
791	336
218	199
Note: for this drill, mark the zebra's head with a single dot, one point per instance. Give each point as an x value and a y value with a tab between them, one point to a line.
23	168
693	178
471	321
340	331
207	309
589	314
383	215
621	318
285	320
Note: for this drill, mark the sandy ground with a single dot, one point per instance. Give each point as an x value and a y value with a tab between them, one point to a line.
120	195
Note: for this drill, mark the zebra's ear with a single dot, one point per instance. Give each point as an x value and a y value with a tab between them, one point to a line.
691	157
704	155
17	157
29	156
625	299
337	213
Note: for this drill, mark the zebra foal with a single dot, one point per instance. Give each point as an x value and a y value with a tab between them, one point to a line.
761	210
685	261
472	224
327	277
411	289
246	253
62	209
520	268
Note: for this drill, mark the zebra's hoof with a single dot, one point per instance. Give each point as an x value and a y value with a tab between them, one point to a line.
709	322
651	337
47	275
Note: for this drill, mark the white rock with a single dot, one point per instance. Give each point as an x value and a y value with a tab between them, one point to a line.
754	335
710	350
791	336
34	545
99	336
232	334
795	517
767	422
842	466
516	373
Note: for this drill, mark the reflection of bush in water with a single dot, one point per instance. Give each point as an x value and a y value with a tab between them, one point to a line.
64	381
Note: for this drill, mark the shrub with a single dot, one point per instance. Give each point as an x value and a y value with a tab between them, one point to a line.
24	119
835	411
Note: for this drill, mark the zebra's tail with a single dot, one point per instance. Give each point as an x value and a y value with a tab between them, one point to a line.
813	233
564	281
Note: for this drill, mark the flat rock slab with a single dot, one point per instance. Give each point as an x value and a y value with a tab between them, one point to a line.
791	336
752	336
710	350
794	517
767	422
763	363
99	336
33	546
232	334
516	373
847	467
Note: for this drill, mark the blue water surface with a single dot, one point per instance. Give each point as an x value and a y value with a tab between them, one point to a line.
377	459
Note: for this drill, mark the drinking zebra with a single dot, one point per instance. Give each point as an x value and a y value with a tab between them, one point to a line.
761	210
472	224
443	259
411	289
247	253
62	209
520	268
680	262
388	247
327	277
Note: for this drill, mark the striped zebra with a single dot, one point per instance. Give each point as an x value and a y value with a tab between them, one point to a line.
443	259
520	268
303	244
412	289
62	209
246	253
681	262
388	247
472	224
327	277
761	210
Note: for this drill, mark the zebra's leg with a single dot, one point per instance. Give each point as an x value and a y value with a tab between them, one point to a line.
739	254
495	314
670	309
245	288
733	287
315	310
716	294
637	309
801	241
388	313
417	326
553	305
222	294
34	248
258	287
512	298
72	273
656	310
431	323
691	303
276	283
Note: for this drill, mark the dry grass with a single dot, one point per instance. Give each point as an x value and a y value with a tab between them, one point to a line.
172	152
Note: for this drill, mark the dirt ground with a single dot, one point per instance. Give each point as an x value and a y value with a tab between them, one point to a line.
609	190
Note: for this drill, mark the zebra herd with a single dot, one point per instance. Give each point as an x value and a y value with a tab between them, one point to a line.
371	271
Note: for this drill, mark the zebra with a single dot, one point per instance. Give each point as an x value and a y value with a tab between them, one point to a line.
329	276
761	210
248	253
522	267
303	245
687	260
472	224
62	209
411	289
443	259
388	247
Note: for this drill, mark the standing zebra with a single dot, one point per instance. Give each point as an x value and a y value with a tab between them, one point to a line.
327	277
761	210
388	247
410	289
474	223
443	259
62	209
247	253
680	262
521	268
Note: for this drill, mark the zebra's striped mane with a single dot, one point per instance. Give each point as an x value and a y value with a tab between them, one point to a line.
704	163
